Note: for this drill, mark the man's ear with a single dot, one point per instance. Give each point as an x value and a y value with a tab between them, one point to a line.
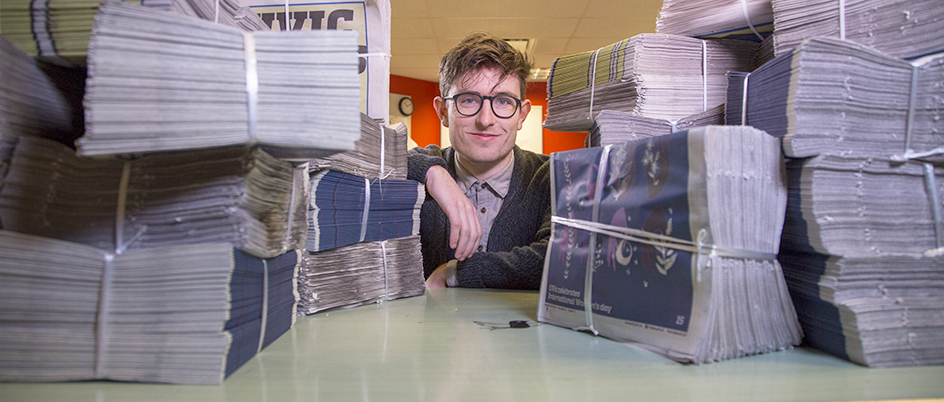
525	109
441	112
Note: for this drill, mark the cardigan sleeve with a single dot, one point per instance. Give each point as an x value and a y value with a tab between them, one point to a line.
419	160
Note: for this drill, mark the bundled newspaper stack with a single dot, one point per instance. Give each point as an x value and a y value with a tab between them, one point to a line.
370	18
864	223
749	19
240	196
58	31
900	28
346	209
380	152
671	242
189	314
833	96
611	127
650	75
157	82
363	244
31	102
361	273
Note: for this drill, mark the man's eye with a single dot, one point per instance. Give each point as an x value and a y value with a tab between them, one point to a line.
504	101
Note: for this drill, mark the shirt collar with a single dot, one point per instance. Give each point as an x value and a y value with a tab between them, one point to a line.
499	183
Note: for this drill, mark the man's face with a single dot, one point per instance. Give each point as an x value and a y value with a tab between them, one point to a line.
484	139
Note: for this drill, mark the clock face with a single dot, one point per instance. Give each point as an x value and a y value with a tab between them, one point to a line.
406	106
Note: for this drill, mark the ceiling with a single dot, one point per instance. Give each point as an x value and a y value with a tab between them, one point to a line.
423	30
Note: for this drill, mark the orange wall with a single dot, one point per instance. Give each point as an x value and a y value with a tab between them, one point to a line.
426	126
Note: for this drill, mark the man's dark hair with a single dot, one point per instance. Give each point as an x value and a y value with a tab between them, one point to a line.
483	50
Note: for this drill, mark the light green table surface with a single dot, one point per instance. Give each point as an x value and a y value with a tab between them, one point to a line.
435	348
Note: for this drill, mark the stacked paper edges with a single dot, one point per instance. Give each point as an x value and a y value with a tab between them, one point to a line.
158	82
835	96
185	315
361	273
650	75
346	209
241	196
862	253
650	244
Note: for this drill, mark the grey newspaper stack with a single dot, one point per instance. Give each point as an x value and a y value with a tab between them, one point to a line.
189	314
862	243
241	196
611	127
159	82
173	267
30	102
900	28
716	18
341	268
58	31
651	75
671	242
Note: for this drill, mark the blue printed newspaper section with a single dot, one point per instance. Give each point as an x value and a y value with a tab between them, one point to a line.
646	189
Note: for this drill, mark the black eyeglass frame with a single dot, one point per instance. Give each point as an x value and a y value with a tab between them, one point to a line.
482	103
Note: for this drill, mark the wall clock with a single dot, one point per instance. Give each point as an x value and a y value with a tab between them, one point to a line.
406	106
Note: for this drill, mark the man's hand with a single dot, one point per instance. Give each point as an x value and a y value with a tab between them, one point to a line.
464	229
437	279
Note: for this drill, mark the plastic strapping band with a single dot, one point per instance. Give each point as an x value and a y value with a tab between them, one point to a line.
252	83
936	210
912	100
366	208
747	18
674	126
842	19
593	80
39	18
744	100
653	239
287	26
216	16
383	250
120	245
265	304
591	260
383	150
291	209
384	55
704	75
101	320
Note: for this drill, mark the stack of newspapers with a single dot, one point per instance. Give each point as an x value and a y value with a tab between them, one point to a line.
901	28
59	30
833	96
189	314
671	242
346	209
157	82
240	196
361	273
651	75
864	223
751	19
380	152
31	102
611	127
371	19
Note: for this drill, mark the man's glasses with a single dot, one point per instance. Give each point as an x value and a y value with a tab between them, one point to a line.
470	103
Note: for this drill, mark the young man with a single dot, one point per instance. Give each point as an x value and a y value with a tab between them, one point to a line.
486	221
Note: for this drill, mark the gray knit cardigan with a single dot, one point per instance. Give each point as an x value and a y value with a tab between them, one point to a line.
519	236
